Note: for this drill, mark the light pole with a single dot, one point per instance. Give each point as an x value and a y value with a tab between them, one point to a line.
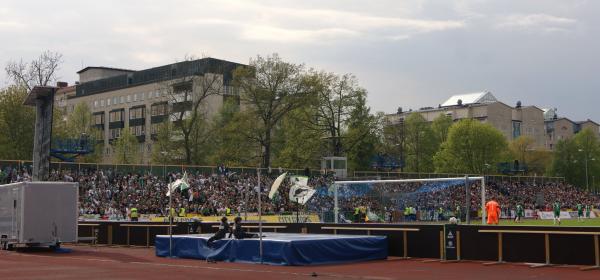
587	179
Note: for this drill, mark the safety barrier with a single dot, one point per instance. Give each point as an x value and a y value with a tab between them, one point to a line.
546	243
524	244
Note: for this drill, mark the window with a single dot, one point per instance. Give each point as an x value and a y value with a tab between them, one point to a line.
159	109
516	127
102	103
135	97
108	102
138	130
137	113
95	103
157	94
149	95
116	116
115	133
98	134
99	119
154	128
115	100
122	99
181	97
142	95
128	98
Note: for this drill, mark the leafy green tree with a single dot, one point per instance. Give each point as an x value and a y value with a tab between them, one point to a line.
17	123
362	136
471	147
394	141
126	148
164	149
271	88
80	121
420	143
572	155
230	144
298	146
77	124
521	147
440	127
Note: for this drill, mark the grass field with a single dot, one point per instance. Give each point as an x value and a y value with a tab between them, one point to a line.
530	222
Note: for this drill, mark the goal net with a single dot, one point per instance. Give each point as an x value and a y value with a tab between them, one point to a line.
402	200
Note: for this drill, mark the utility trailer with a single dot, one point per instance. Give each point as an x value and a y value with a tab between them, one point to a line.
38	214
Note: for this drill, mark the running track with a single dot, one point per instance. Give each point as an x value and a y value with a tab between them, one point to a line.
89	263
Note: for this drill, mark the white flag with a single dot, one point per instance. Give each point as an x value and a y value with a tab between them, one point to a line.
276	185
300	192
182	184
299	180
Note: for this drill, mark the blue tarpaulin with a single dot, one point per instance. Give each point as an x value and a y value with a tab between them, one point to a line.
279	248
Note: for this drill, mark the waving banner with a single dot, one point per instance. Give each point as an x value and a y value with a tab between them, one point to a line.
300	192
276	185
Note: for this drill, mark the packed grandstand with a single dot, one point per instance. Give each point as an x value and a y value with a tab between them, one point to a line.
109	194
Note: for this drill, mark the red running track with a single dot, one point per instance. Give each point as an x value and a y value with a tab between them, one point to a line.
90	263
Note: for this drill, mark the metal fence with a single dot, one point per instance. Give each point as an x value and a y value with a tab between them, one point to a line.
159	170
488	178
162	170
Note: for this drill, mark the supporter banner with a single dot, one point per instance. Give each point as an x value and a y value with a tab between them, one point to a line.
303	218
530	213
549	215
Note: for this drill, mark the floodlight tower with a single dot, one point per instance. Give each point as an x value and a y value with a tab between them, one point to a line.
42	97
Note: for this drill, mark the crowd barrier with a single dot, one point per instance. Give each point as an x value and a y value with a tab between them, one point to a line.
528	244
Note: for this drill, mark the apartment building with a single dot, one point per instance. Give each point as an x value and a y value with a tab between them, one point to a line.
561	128
141	100
512	122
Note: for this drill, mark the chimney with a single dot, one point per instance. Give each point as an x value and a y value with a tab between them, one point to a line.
62	84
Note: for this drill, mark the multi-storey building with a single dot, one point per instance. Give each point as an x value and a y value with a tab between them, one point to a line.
543	125
483	106
141	100
561	128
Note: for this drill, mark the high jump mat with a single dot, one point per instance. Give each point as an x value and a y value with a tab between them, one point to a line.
278	248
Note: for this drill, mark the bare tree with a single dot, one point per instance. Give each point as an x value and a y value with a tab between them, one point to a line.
38	72
186	94
336	97
271	88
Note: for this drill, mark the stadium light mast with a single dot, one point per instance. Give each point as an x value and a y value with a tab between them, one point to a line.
587	177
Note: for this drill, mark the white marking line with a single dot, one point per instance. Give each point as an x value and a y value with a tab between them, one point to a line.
207	267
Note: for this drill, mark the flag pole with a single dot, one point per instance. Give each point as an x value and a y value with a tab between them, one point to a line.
260	242
170	219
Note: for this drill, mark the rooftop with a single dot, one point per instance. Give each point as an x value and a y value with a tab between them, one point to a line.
157	74
103	67
470	98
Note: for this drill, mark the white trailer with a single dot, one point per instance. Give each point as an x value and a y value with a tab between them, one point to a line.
38	213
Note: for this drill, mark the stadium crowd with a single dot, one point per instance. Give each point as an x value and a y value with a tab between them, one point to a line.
111	194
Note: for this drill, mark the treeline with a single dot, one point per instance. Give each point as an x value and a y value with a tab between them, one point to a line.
290	115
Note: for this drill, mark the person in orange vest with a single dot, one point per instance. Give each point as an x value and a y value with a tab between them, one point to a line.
492	208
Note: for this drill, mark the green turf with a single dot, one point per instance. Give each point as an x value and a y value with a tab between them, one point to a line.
531	222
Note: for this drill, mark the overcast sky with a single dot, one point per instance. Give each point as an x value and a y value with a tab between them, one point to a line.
407	54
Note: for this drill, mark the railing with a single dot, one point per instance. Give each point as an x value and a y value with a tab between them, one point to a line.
159	170
162	170
489	178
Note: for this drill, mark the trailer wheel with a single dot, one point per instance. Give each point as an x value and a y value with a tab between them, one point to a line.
55	246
